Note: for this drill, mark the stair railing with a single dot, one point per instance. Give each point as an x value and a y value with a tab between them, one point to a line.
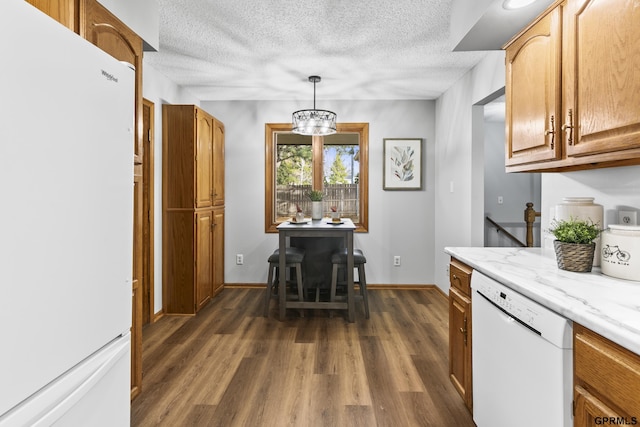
530	216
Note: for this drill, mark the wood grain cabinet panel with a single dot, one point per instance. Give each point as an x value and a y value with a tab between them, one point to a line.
218	163
533	93
203	258
460	329
571	85
193	228
601	83
606	381
218	250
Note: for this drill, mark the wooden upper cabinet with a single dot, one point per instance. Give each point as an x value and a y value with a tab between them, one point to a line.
601	76
218	163
104	30
63	11
571	88
188	133
533	93
204	159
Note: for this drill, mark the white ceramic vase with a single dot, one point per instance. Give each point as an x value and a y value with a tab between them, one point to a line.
316	210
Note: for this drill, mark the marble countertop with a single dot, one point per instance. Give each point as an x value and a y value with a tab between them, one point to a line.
606	305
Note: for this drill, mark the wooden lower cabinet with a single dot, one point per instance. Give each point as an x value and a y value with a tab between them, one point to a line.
606	381
218	251
460	330
188	259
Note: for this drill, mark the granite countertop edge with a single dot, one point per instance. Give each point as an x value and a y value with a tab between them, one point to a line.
606	305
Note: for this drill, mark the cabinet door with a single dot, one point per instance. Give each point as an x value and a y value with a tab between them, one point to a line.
204	258
589	411
601	81
460	345
533	93
204	159
218	163
218	250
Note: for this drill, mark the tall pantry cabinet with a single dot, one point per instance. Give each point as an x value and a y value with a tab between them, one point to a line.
193	208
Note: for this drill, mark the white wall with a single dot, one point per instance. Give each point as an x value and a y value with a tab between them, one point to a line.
613	188
400	222
459	187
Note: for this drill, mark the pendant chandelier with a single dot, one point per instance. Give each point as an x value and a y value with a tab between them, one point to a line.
314	122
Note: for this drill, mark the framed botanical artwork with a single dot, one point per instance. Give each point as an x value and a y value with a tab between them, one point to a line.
402	164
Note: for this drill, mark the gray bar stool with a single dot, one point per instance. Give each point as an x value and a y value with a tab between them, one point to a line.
339	260
294	258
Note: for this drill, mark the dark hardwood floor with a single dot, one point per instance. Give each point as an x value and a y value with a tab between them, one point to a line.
230	366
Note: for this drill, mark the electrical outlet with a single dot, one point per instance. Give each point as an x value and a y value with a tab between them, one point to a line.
396	261
500	200
239	259
627	217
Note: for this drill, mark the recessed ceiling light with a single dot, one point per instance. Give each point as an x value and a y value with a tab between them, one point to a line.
516	4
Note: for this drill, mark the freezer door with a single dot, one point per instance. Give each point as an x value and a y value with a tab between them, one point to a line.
94	393
66	200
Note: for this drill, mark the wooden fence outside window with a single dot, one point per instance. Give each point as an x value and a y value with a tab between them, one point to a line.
343	196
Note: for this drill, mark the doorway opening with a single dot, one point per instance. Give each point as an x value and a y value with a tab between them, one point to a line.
504	195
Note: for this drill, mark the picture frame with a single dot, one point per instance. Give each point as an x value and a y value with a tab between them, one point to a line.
402	164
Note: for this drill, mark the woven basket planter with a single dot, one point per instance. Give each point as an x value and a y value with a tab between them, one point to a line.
574	256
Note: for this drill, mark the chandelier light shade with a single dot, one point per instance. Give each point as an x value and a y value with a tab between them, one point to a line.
314	122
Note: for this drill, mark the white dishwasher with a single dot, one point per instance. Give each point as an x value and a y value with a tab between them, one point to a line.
521	357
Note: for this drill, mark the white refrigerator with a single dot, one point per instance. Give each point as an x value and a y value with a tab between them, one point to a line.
66	221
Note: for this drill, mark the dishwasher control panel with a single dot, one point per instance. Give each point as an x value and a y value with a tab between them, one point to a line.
539	319
512	303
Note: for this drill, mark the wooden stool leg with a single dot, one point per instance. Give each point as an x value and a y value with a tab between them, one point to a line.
363	289
267	298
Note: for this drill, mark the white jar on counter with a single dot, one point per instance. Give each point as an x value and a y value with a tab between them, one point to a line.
621	252
584	209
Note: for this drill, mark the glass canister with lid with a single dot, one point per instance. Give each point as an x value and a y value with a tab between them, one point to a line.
621	252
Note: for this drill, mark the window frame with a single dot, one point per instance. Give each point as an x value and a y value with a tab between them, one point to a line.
362	129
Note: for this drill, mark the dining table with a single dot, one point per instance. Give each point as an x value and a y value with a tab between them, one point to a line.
314	229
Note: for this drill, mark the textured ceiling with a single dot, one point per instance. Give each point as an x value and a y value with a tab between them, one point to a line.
266	49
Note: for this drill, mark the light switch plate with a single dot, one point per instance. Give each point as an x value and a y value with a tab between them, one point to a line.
627	217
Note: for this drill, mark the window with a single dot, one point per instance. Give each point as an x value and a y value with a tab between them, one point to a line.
335	164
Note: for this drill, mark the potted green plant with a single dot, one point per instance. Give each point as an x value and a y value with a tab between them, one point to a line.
574	244
316	197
